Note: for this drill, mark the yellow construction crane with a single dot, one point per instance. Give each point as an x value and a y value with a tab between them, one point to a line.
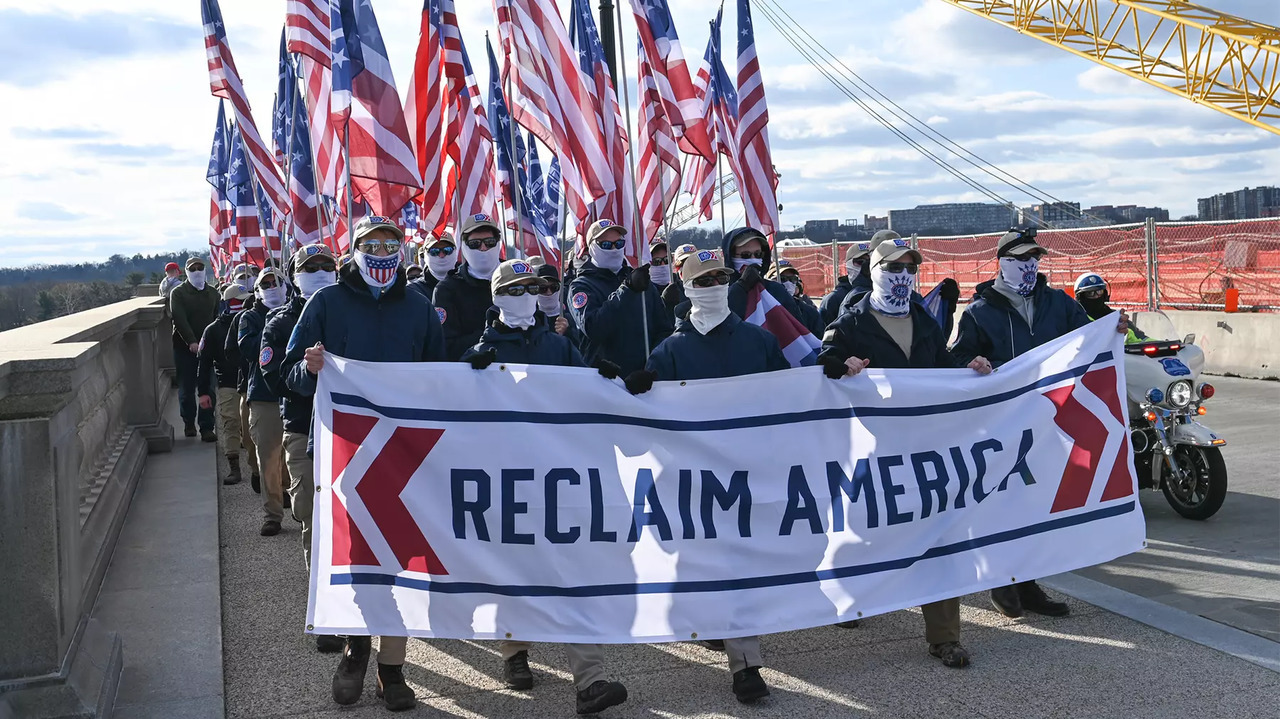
1227	63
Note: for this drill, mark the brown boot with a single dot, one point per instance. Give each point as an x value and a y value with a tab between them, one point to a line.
234	476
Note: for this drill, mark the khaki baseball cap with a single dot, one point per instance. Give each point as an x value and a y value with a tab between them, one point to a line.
702	262
478	220
881	236
512	272
783	265
599	227
444	238
194	261
235	292
307	252
893	250
369	223
682	252
857	250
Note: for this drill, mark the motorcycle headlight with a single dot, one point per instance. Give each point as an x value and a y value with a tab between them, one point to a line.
1180	393
1155	396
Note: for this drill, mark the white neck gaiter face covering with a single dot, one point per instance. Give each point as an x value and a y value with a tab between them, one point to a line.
660	274
549	304
440	266
852	269
271	297
740	264
791	287
610	260
891	291
516	312
480	263
1019	275
710	306
310	283
196	278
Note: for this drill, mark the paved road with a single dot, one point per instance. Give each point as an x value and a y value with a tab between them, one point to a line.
1226	568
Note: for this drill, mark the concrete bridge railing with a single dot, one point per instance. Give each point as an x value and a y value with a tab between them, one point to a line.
81	399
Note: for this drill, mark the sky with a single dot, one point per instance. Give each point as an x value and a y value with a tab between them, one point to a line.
109	119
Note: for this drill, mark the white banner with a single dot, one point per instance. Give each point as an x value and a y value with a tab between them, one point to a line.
548	504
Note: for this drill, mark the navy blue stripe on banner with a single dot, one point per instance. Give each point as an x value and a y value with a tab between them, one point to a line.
681	425
725	585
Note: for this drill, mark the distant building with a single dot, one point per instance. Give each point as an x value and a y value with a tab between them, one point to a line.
1057	215
821	230
1124	214
1240	205
956	218
874	224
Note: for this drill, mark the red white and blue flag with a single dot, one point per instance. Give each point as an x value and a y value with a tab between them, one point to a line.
426	112
757	180
222	214
304	219
509	150
798	344
660	48
472	152
720	107
659	161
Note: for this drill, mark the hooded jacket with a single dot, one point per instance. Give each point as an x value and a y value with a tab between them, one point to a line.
991	327
858	333
738	293
216	367
253	354
810	317
734	348
397	326
860	292
294	408
462	302
834	303
610	316
427	284
536	345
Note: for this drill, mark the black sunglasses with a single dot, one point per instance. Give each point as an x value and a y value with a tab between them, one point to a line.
320	267
909	267
757	255
660	261
612	245
550	288
1026	256
444	251
518	290
718	278
486	242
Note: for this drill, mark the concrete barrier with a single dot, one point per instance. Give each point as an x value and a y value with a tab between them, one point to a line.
1237	343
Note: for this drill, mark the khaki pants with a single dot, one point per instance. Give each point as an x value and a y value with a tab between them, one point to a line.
942	621
245	437
267	430
391	650
229	420
301	489
586	661
743	652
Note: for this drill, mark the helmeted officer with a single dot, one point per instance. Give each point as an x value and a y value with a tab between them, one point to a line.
854	279
747	252
789	276
1012	314
463	298
217	378
369	315
442	260
265	424
714	342
887	330
1092	293
609	301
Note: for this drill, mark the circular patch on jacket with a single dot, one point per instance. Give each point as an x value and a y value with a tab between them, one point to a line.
264	359
579	300
441	314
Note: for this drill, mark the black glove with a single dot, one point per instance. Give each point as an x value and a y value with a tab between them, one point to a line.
639	279
480	360
607	369
832	366
750	277
640	381
950	291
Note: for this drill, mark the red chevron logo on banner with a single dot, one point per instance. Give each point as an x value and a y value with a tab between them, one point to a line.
1090	440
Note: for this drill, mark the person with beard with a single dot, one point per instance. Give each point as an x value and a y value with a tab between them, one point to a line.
265	423
463	298
950	288
855	279
1092	293
368	316
442	260
215	364
789	276
887	330
713	342
193	305
609	302
673	294
748	252
1010	315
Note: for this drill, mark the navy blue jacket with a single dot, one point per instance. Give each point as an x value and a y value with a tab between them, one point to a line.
838	300
249	339
609	315
463	302
232	348
427	284
738	293
215	365
990	326
294	408
536	345
733	348
858	293
810	317
398	326
858	333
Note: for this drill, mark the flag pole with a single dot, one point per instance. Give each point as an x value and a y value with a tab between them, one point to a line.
315	167
351	203
516	186
720	184
631	160
288	160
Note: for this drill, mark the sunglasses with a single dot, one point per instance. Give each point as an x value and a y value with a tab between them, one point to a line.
612	244
442	251
320	267
660	261
895	267
196	268
719	278
550	289
475	243
1032	255
267	284
373	247
1091	294
518	290
757	255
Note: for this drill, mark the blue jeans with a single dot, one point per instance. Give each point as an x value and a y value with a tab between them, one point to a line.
186	365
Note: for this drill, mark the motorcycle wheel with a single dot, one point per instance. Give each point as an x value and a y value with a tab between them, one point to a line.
1199	492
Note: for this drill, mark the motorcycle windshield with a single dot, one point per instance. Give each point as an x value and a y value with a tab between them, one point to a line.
1155	325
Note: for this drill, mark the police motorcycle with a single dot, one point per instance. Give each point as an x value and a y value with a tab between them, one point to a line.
1172	450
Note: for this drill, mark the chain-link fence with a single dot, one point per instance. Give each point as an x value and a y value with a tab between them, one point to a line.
1177	265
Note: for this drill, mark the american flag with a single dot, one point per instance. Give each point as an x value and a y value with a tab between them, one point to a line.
798	344
620	204
550	97
473	154
282	109
307	29
246	230
224	82
544	195
367	111
660	47
302	181
659	158
757	181
306	25
720	107
426	112
222	213
510	155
